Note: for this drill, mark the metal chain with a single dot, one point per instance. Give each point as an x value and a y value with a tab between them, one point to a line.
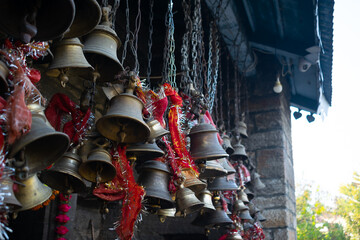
215	72
113	12
171	46
194	42
151	17
228	91
136	38
236	98
221	95
185	78
127	38
208	84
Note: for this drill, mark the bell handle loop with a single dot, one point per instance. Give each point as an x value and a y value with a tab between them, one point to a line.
180	182
63	77
101	143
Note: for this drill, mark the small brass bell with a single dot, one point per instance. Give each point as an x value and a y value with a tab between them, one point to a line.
42	146
243	196
83	23
186	201
4	73
245	215
192	182
156	130
164	213
206	197
28	20
249	194
212	169
31	192
258	184
241	129
253	209
260	217
9	195
100	49
234	236
213	219
144	151
123	121
227	166
204	144
239	206
239	153
64	176
222	184
227	144
154	177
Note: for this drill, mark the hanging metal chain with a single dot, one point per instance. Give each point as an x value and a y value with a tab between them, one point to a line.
215	70
127	38
151	17
221	96
171	41
228	90
185	50
236	101
208	83
113	13
136	38
196	61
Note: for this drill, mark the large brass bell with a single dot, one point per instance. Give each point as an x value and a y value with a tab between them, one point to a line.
233	236
258	184
245	215
187	202
204	144
154	177
206	197
239	153
222	184
213	219
39	20
212	169
156	130
123	121
164	213
31	192
227	144
144	151
227	166
9	195
64	176
192	182
4	72
87	17
42	146
100	49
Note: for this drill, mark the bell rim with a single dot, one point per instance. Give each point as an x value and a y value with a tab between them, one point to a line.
78	187
159	166
84	167
209	157
201	128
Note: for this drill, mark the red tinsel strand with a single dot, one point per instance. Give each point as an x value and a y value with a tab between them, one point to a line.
245	173
208	119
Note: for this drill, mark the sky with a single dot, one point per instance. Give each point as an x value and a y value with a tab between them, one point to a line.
327	152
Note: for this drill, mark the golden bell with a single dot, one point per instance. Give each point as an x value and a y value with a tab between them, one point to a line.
243	196
234	236
42	145
154	177
227	144
123	121
222	184
164	213
9	195
144	151
87	17
227	166
212	169
4	73
64	176
156	130
31	192
258	184
239	153
239	206
245	215
213	219
97	167
192	182
51	19
206	197
204	144
187	202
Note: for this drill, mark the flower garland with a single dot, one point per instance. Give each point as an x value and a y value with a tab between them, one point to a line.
62	218
47	202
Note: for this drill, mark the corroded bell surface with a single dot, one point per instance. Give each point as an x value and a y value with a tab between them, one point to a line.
100	50
217	218
123	121
87	17
186	201
206	197
164	213
4	72
245	215
8	193
212	169
227	166
243	196
227	145
98	167
204	144
144	151
42	146
32	193
239	206
258	184
51	19
233	236
156	130
222	184
192	182
249	194
239	153
68	53
154	177
64	176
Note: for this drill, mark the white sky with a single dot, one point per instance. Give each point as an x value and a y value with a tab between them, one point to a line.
326	153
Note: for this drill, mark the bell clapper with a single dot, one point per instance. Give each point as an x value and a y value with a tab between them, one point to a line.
162	219
63	77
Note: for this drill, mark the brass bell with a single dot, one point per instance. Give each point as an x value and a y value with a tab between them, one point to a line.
213	219
123	121
28	20
249	194
9	195
222	184
241	129
204	144
4	72
227	166
245	215
144	151
64	176
192	182
206	197
42	145
233	236
253	209
212	169
100	49
258	184
239	153
239	206
227	144
154	177
260	217
31	192
156	130
186	201
164	213
243	196
83	23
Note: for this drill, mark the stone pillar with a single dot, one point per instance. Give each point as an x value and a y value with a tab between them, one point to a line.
270	149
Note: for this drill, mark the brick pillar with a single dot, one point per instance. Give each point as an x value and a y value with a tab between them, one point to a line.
270	149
